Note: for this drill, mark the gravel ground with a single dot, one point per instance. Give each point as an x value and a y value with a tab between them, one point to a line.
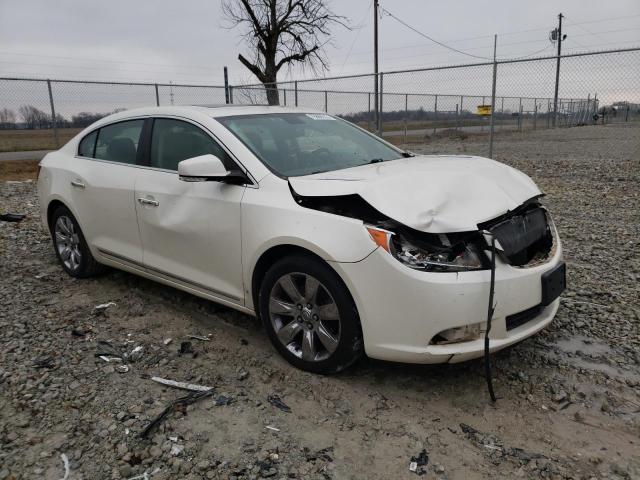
568	403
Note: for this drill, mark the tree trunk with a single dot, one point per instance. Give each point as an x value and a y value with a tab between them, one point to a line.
271	83
273	96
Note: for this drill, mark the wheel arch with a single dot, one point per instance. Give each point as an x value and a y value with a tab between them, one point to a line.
53	205
277	252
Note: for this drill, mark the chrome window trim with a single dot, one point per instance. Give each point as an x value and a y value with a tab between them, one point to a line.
254	183
77	154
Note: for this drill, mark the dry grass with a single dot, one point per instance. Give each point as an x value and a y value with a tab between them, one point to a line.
22	140
18	170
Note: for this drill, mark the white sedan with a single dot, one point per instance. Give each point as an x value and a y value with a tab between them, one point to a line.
340	242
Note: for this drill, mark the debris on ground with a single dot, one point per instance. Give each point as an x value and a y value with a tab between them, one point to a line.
175	404
167	341
135	354
12	217
418	464
182	385
102	307
105	349
277	402
65	463
494	445
187	348
200	337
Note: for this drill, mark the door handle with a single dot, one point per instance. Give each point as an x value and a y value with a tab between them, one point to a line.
77	183
148	201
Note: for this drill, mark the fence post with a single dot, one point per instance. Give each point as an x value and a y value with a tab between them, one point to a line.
520	114
380	105
626	113
369	111
520	118
155	85
482	124
435	115
457	118
406	113
460	115
493	97
548	112
284	93
54	122
231	94
326	109
535	113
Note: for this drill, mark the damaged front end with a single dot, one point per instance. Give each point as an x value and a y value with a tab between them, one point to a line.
524	236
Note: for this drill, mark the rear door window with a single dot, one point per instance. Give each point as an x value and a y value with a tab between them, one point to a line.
119	142
174	140
87	145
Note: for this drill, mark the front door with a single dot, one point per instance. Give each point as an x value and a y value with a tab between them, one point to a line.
190	230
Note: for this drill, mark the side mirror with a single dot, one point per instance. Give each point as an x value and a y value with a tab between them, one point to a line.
209	168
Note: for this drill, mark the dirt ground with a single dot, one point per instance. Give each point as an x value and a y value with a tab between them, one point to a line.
569	398
41	139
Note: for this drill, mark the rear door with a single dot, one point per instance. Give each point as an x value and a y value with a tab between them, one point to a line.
190	230
102	189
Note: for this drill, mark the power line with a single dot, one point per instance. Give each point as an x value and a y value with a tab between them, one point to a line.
430	38
361	26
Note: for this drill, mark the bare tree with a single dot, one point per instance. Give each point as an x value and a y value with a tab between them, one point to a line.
33	117
7	118
281	33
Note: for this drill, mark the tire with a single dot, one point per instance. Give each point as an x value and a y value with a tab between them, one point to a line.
319	332
68	239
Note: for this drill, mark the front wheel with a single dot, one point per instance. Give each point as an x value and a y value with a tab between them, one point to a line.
310	316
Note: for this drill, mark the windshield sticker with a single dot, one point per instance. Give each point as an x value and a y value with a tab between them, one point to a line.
320	116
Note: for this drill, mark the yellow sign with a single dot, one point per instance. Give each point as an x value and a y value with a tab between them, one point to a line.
484	110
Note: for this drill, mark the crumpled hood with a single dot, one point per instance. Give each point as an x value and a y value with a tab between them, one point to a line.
430	193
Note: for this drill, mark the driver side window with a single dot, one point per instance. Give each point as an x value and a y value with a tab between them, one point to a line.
174	140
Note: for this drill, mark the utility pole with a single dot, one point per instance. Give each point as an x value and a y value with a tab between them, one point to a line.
493	95
375	63
558	33
226	86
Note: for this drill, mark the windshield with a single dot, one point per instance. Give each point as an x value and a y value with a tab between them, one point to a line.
293	144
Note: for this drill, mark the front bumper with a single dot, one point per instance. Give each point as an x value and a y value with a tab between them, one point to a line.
402	309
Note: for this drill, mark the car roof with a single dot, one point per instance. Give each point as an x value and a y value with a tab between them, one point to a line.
209	110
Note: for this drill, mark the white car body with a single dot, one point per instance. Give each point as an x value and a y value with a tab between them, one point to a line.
209	238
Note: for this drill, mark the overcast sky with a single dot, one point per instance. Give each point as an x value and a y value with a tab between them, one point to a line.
163	40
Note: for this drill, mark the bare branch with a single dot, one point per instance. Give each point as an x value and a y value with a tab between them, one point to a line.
281	33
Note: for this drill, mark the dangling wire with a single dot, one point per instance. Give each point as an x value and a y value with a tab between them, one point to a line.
490	310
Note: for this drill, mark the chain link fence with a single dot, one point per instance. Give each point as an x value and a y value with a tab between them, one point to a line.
413	105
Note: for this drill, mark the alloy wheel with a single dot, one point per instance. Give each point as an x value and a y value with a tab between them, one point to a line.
304	316
67	242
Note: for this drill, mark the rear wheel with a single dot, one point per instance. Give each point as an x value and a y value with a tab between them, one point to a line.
70	245
309	315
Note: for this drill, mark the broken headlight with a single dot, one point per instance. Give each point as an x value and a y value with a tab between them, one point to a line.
444	257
